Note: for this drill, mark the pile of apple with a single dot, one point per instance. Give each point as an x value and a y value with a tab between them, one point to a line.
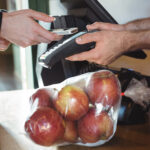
75	114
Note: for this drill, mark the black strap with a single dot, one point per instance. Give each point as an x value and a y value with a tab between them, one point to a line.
1	16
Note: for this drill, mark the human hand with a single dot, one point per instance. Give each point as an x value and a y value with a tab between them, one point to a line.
109	46
20	28
4	44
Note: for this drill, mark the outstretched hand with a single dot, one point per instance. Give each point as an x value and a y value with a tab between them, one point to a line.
109	44
21	28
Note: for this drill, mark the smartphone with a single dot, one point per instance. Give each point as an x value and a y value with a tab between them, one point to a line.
67	31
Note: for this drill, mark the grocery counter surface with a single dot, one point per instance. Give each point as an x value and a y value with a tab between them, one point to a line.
127	137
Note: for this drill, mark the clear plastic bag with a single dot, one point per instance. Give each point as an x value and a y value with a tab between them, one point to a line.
139	92
81	110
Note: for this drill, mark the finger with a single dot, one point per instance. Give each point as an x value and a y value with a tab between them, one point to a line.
87	38
96	25
105	26
2	49
82	56
47	34
4	42
40	39
4	46
102	62
40	16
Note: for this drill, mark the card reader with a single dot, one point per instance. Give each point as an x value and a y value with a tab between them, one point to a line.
67	47
64	48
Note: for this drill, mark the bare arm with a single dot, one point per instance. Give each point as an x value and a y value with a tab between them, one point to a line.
111	44
139	39
140	24
113	40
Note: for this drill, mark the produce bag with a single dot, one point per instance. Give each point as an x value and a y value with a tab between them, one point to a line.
81	110
139	92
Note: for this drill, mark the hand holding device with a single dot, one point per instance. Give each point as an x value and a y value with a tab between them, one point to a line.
64	48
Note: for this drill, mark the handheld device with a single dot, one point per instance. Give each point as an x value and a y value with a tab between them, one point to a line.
64	48
67	31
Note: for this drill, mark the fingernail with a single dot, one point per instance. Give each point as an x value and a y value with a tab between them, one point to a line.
88	27
52	18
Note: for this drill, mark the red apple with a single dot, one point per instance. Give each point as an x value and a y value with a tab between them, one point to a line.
41	98
104	87
70	131
95	126
45	126
72	102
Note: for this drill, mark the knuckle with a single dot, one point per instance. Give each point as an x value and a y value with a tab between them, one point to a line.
27	43
96	23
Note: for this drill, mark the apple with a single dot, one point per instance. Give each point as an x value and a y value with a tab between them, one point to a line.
72	102
41	98
70	131
45	126
95	126
104	87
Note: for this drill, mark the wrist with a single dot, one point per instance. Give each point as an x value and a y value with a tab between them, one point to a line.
142	39
129	27
141	24
129	41
134	40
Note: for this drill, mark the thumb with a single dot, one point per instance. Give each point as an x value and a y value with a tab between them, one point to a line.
41	16
4	44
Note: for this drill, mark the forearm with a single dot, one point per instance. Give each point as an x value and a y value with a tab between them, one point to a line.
134	40
141	24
